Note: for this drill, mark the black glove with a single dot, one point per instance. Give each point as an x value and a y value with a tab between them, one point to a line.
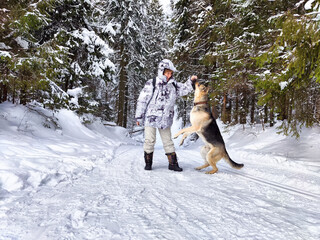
193	80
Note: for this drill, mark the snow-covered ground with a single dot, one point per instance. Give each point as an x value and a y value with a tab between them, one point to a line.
60	179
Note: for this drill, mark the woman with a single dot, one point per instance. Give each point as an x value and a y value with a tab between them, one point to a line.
155	109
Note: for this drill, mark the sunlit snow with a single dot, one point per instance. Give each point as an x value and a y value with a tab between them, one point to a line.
61	179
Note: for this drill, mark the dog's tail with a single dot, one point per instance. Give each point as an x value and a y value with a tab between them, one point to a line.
231	162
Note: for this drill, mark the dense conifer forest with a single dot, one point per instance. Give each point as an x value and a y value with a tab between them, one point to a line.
260	57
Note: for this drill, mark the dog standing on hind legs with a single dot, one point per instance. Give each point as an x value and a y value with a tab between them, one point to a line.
205	125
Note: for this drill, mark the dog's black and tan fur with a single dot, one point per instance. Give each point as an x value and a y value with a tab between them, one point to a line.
205	125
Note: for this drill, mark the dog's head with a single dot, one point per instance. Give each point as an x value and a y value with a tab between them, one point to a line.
201	89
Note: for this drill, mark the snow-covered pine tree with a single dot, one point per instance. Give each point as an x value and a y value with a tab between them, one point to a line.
66	50
127	18
155	41
224	37
183	20
87	66
291	79
56	47
157	38
138	43
22	77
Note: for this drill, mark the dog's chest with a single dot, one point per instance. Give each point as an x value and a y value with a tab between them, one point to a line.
199	117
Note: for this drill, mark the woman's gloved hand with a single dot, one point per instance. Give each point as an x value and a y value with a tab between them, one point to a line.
194	79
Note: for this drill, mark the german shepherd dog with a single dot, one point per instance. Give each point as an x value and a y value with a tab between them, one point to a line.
205	125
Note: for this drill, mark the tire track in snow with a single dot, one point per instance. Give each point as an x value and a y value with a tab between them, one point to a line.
270	183
262	207
120	200
150	209
204	206
189	206
267	182
160	202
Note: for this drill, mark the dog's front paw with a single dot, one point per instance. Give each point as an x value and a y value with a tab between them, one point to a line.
176	135
181	142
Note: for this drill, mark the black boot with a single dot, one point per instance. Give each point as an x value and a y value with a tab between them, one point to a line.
173	162
148	159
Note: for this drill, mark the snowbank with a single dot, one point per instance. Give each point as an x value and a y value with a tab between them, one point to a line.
60	179
39	147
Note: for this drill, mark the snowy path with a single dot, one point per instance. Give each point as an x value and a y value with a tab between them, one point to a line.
119	200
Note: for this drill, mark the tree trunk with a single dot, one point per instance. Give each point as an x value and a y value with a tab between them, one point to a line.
244	106
126	107
283	108
66	84
184	112
229	112
214	111
252	108
23	92
266	114
290	109
236	112
271	114
317	108
122	88
224	109
3	92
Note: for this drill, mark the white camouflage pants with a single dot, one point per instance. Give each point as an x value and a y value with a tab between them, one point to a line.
150	139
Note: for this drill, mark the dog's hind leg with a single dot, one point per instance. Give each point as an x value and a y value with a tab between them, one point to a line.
203	166
204	151
213	156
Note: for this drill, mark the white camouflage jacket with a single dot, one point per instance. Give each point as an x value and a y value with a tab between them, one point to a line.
158	111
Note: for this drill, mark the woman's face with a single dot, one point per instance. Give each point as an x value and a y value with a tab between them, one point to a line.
168	73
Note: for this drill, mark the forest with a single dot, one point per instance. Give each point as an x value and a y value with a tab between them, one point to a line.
261	58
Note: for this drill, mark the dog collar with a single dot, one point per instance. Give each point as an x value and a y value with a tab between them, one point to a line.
198	103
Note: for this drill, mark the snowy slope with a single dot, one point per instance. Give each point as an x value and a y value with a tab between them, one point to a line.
62	180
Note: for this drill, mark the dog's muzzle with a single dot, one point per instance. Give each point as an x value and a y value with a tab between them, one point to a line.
203	82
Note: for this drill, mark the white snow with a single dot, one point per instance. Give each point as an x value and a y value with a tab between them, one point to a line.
75	93
92	39
166	6
60	179
283	84
23	43
308	4
5	54
110	29
4	46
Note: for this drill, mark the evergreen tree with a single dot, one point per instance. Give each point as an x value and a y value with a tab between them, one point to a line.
86	63
22	77
182	22
157	33
224	38
139	43
260	57
56	47
292	79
